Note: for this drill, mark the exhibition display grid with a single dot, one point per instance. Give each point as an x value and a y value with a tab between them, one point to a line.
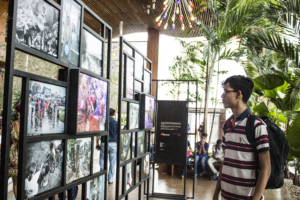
135	119
76	104
171	132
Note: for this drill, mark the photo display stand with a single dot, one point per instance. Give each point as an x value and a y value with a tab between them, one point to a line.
171	134
133	136
59	156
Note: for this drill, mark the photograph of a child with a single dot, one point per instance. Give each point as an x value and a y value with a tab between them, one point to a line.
37	26
149	112
129	176
95	188
125	146
91	53
44	162
70	37
129	79
46	113
141	143
78	158
92	100
133	115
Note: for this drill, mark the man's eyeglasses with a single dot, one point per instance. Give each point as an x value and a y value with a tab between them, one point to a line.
228	91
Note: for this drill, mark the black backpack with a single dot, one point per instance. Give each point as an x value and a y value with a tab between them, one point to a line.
279	149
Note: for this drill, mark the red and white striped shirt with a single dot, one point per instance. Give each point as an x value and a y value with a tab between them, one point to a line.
238	172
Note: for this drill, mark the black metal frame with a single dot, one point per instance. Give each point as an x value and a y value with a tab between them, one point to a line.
137	99
175	196
64	80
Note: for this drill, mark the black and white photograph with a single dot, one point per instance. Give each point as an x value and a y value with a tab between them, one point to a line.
44	167
78	158
146	166
141	143
37	26
129	176
91	53
133	115
125	147
147	82
139	66
47	105
95	188
70	37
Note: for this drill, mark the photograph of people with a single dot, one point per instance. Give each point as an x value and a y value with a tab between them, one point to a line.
47	108
37	26
149	112
202	154
129	79
125	146
133	115
218	156
92	100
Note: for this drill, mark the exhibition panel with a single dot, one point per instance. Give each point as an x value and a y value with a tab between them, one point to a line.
62	114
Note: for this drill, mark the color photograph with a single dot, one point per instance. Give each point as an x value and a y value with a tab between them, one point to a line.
95	188
46	113
129	176
141	143
44	167
125	149
149	112
133	115
139	66
78	158
37	26
92	103
129	79
70	37
147	83
91	53
146	165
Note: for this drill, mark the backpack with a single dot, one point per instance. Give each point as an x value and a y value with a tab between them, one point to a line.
279	149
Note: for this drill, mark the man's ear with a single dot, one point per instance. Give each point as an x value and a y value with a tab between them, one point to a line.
239	95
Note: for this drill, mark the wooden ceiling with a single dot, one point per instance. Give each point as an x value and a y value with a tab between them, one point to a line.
135	19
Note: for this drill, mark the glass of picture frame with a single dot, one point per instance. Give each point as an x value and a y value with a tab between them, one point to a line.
146	166
125	147
134	115
129	178
129	93
139	66
147	82
141	147
95	188
149	111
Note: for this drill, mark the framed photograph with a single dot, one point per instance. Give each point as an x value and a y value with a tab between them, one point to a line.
44	167
147	82
47	105
125	149
139	66
129	94
78	158
149	111
133	145
141	143
133	115
70	37
146	167
37	26
92	104
96	154
129	176
95	188
91	57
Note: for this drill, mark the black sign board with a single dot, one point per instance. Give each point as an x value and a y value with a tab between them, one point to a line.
171	134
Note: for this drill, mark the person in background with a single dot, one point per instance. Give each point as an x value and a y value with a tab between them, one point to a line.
201	128
218	156
187	159
202	151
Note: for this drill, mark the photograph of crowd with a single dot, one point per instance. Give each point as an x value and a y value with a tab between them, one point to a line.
147	82
37	26
125	146
92	99
78	158
129	176
149	112
95	188
46	113
133	115
146	165
91	53
70	37
129	79
141	143
139	62
44	167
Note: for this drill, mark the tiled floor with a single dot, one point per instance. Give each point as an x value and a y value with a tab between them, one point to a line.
204	188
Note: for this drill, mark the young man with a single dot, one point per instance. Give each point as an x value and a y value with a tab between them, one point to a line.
202	151
237	179
218	156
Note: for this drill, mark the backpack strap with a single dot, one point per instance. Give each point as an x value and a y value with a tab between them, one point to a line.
250	133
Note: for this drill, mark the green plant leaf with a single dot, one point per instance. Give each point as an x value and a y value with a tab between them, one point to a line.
261	109
292	135
269	81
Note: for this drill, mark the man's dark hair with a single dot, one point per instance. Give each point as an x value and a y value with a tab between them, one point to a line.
112	112
242	83
219	141
204	134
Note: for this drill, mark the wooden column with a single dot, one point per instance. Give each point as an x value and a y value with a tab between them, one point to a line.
152	54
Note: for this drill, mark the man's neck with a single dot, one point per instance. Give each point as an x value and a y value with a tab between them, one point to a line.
237	111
